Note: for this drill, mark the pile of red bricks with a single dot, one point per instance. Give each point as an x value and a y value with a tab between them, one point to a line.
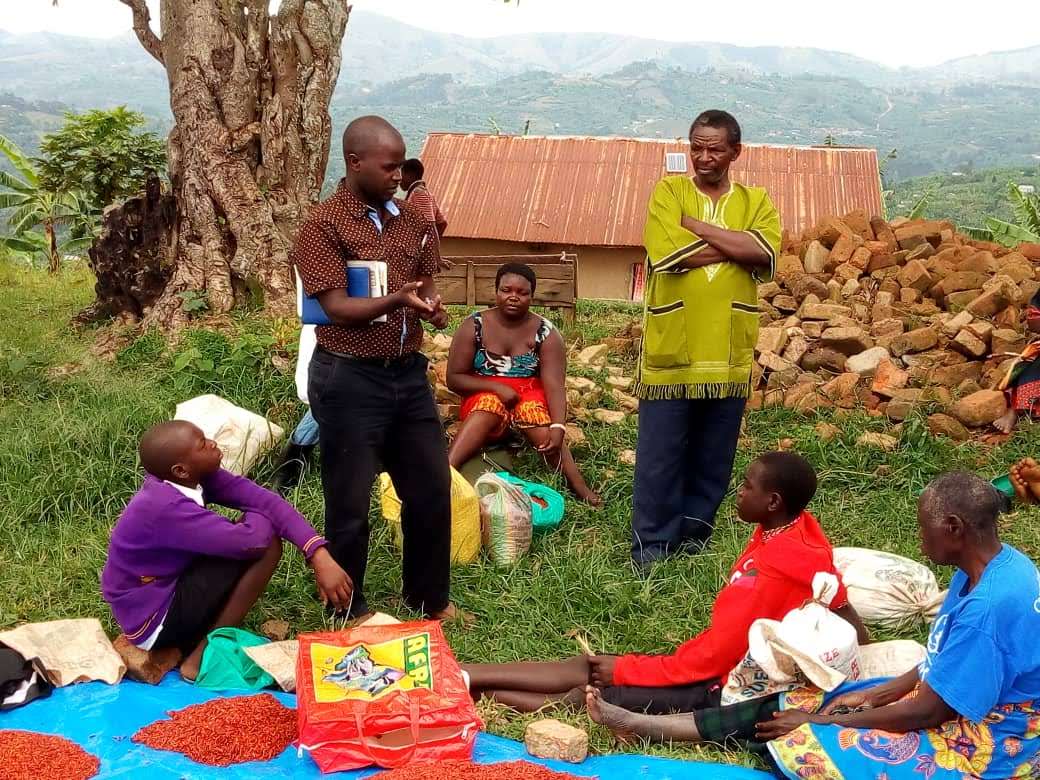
892	317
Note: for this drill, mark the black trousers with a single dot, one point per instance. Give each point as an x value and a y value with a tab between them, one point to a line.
684	459
373	413
664	700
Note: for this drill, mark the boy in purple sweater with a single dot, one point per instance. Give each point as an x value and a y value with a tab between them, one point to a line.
176	570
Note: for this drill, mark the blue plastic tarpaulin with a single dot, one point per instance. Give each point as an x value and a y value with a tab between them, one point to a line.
102	719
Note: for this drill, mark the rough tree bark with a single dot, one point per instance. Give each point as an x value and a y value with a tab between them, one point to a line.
249	91
130	256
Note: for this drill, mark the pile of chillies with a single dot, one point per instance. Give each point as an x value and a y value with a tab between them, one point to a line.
222	732
26	755
466	770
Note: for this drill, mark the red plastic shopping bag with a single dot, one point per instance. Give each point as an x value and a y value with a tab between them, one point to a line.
384	695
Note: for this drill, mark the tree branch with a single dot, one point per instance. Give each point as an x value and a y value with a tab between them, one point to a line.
143	28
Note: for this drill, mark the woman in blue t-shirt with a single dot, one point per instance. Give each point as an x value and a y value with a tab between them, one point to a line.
972	708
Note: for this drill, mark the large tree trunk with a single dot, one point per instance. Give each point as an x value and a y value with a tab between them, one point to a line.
130	256
250	92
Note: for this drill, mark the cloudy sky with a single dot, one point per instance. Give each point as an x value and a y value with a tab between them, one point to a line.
894	32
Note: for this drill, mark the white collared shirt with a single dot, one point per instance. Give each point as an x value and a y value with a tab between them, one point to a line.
195	494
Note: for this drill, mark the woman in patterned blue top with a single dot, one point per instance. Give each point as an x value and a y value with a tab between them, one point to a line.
972	708
510	366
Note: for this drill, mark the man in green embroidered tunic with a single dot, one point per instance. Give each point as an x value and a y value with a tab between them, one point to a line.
709	241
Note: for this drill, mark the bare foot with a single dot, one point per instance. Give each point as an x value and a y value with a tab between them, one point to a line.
1006	423
574	699
452	614
1021	491
1029	474
618	720
190	666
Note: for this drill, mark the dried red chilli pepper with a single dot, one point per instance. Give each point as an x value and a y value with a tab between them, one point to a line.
466	770
225	731
26	755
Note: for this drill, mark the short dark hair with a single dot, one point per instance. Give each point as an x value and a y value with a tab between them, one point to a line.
791	476
516	269
413	167
966	495
163	445
720	120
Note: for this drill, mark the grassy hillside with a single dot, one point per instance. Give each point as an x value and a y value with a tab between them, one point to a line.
25	121
981	126
966	197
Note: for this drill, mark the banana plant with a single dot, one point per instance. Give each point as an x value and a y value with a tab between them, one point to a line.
1026	228
917	212
32	206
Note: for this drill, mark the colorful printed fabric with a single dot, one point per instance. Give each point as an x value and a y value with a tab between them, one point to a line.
1022	381
1024	396
983	660
491	364
531	411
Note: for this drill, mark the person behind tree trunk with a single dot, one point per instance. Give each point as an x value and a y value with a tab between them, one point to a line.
1022	382
510	366
772	576
176	570
367	380
419	195
972	707
709	241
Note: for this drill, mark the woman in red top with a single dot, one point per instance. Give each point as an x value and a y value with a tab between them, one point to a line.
770	578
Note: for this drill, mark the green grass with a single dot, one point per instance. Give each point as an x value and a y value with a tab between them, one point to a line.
68	465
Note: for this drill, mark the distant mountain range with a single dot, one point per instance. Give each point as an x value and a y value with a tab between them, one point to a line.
972	112
378	49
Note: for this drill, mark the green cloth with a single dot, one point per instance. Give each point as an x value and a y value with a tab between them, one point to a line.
225	665
543	518
700	326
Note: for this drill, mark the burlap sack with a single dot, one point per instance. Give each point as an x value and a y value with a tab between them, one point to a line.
70	651
888	590
241	435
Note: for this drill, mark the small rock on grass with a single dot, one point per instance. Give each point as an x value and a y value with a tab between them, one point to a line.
944	425
827	431
608	416
881	441
553	739
575	436
594	356
620	382
275	630
980	408
581	384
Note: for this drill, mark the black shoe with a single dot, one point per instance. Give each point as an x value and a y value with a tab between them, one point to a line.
290	467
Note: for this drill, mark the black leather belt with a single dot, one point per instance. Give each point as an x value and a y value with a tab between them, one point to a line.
402	361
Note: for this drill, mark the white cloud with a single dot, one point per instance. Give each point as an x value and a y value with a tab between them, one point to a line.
895	32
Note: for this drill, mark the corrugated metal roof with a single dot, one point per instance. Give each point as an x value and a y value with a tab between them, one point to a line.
589	191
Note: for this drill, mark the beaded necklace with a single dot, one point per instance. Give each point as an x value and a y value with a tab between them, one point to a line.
767	535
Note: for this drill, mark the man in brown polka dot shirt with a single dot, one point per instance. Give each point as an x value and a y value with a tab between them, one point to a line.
367	381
